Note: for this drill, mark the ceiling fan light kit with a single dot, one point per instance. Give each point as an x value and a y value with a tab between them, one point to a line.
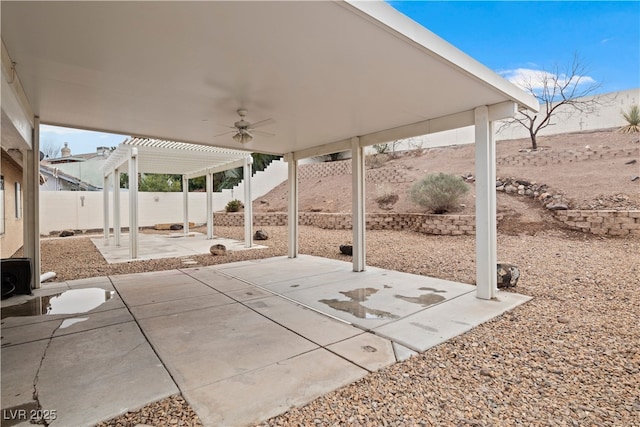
242	128
242	137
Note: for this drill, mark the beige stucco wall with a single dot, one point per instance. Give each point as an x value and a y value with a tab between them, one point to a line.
11	240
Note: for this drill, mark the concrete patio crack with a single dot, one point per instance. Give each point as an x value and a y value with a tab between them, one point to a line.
36	378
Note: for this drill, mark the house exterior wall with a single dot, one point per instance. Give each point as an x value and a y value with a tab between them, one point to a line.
11	239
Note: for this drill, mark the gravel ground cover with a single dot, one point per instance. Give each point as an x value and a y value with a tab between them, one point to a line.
568	357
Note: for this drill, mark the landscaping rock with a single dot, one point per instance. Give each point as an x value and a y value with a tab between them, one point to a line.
260	235
346	249
66	233
218	249
176	227
556	206
508	275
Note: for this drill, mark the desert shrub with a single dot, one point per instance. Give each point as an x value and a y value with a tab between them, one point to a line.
234	206
375	161
385	197
633	119
438	193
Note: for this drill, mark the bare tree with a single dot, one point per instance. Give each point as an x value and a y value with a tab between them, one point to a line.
568	91
50	150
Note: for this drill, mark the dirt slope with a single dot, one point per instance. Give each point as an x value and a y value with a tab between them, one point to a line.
593	170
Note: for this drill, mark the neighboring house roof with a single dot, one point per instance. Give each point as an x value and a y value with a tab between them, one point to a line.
15	157
55	173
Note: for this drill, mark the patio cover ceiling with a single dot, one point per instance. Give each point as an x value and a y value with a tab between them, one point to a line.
323	71
179	158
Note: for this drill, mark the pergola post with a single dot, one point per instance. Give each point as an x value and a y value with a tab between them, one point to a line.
358	199
133	203
105	207
292	219
486	250
185	205
31	203
116	206
248	204
209	190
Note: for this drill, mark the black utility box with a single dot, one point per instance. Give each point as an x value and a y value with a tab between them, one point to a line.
16	274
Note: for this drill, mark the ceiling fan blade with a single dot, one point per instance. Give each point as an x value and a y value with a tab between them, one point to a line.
226	133
261	133
262	123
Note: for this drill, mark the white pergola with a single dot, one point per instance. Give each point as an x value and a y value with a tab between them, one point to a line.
142	155
333	76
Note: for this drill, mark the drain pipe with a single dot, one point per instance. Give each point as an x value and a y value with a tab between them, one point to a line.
47	276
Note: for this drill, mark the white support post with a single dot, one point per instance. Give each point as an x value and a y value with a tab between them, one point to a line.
133	204
209	190
248	204
292	220
486	249
105	208
31	203
358	198
116	207
185	205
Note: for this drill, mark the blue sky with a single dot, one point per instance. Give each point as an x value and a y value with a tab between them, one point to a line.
512	38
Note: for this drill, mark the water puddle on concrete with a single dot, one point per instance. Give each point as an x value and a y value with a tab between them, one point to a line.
424	300
354	305
68	302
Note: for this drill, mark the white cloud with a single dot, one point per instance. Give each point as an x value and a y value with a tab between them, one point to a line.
59	130
527	78
606	40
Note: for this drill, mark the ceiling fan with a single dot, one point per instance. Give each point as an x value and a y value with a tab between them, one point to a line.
243	130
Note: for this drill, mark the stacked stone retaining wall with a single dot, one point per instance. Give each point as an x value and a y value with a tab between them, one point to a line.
452	225
549	157
343	167
604	222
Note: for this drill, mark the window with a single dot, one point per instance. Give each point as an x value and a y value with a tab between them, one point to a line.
1	204
18	200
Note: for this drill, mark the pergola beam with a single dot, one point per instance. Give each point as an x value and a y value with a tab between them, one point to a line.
216	169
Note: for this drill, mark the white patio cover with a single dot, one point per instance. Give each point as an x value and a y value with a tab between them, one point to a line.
333	76
143	155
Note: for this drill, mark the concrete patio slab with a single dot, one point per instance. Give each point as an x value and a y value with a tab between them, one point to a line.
166	308
215	279
20	364
312	325
90	376
429	328
170	245
372	300
366	350
402	352
204	346
263	274
224	337
258	395
160	288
